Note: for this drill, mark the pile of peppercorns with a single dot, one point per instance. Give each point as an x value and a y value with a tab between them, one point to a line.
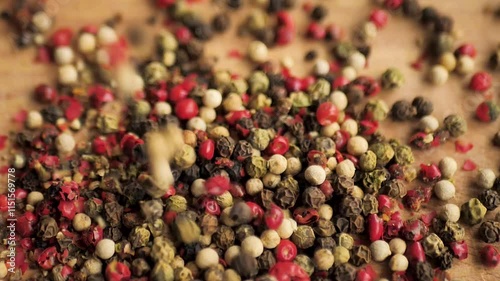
273	177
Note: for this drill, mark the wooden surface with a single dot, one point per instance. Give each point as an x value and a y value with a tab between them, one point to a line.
395	46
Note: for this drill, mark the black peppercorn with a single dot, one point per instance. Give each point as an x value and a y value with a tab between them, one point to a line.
224	237
52	113
263	119
411	8
448	231
245	265
496	141
357	224
423	106
341	224
221	22
402	110
313	197
225	146
318	13
266	36
113	213
324	228
361	255
490	199
310	55
234	4
243	231
275	6
344	272
422	271
266	260
350	206
489	231
443	24
445	260
203	31
326	243
343	185
429	15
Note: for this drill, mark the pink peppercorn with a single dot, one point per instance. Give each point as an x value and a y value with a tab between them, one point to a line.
460	249
286	271
164	3
100	145
366	274
306	82
4	205
183	35
62	37
178	93
490	256
117	271
45	94
20	194
466	50
415	252
26	224
156	95
217	185
93	235
285	19
100	95
384	203
394	225
274	217
375	227
379	18
340	82
279	145
316	31
480	81
233	116
327	113
393	4
211	206
284	35
327	189
47	259
293	84
430	172
333	33
186	109
487	111
286	251
414	230
206	149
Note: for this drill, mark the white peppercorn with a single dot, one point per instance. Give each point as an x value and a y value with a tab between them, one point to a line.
196	123
438	75
330	129
93	266
368	31
321	67
346	168
106	35
323	259
105	248
162	108
331	163
81	222
357	60
428	124
444	190
41	21
233	102
18	161
257	52
87	43
198	187
252	245
206	258
286	228
357	192
3	270
212	98
349	73
34	120
398	262
465	65
65	143
357	145
450	212
254	186
270	238
67	74
397	246
448	166
325	212
485	178
341	255
277	164
205	240
315	174
339	99
208	114
271	180
351	126
64	55
293	167
448	60
34	197
231	253
380	250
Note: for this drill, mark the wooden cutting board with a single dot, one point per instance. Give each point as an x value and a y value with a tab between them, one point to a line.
395	46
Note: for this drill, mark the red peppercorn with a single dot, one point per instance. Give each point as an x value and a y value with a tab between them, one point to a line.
490	256
285	19
393	4
394	225
293	84
306	82
48	258
327	113
327	189
186	109
480	81
73	109
233	116
169	217
156	95
286	251
93	235
164	3
257	211
430	172
279	145
207	149
62	37
284	36
274	217
415	252
178	93
20	194
333	33
237	190
384	203
366	274
100	146
100	95
340	82
379	18
27	244
316	31
375	227
217	185
414	230
45	94
26	224
368	127
286	271
305	215
341	137
460	249
466	50
183	35
487	111
67	209
4	204
211	207
117	271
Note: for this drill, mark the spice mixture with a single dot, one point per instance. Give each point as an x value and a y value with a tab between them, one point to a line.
173	170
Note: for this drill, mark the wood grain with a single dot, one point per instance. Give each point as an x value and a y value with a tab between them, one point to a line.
395	46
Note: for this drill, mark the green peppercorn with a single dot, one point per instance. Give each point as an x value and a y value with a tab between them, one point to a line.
372	181
256	166
455	125
320	89
259	138
176	203
162	272
448	231
305	263
300	99
343	50
183	274
162	250
392	78
259	82
154	73
107	123
377	110
345	240
368	161
48	228
185	157
341	255
139	237
433	245
403	155
473	211
383	151
186	229
238	85
303	237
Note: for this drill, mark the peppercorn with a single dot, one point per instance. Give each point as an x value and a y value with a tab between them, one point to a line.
450	212
444	190
373	180
246	265
376	110
345	271
429	15
448	166
398	262
395	188
48	228
433	245
490	199
369	205
411	8
422	271
383	151
105	249
315	174
448	231
303	237
402	110
324	259
489	231
255	166
473	211
267	260
392	78
346	168
368	161
496	139
438	75
485	178
455	125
